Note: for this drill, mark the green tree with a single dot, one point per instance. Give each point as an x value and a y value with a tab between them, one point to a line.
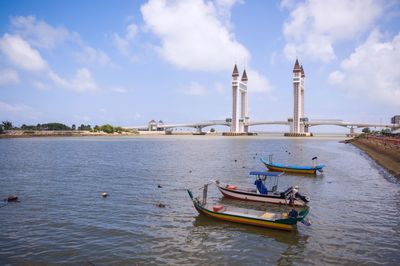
7	125
55	126
366	130
385	131
28	127
107	128
84	127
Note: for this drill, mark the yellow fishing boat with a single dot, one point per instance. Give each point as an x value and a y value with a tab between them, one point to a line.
283	221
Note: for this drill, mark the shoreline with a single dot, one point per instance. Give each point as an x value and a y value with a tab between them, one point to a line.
40	134
383	151
261	135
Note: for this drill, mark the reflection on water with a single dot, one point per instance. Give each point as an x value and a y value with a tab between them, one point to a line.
62	217
289	238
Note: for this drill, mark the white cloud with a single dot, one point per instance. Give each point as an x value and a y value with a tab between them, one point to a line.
192	35
24	56
39	33
17	111
131	31
40	85
124	43
120	89
314	26
91	56
21	54
194	89
8	77
81	82
257	82
42	35
372	70
121	44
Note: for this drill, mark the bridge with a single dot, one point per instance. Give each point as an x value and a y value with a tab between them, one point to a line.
200	125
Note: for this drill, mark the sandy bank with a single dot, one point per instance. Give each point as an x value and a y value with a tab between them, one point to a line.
385	151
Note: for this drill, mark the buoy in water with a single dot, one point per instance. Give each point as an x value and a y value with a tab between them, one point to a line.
104	194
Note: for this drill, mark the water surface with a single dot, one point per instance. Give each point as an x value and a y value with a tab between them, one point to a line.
62	218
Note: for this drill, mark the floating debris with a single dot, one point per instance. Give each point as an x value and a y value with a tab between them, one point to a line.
190	171
11	198
254	157
104	194
243	166
159	186
235	160
161	205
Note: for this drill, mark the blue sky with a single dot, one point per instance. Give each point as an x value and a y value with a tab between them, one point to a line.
127	62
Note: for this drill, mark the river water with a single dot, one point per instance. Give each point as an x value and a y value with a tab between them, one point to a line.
62	218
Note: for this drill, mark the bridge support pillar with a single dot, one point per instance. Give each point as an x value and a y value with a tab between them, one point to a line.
199	131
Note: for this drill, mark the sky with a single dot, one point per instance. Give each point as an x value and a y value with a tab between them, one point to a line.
127	62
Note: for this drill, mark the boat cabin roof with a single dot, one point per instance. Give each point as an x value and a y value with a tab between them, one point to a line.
263	173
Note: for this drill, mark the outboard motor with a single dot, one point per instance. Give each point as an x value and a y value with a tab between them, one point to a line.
299	196
303	198
293	214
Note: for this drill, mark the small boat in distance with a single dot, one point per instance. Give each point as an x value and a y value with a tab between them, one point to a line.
261	193
283	221
301	169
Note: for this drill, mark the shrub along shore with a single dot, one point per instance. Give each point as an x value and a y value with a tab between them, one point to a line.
58	133
384	150
7	130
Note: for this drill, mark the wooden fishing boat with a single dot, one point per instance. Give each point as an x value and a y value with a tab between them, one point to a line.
290	196
283	221
300	169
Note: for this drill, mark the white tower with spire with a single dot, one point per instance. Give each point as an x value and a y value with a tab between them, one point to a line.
297	127
302	79
239	99
296	97
244	115
235	98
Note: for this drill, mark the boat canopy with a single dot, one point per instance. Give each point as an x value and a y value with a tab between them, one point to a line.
263	173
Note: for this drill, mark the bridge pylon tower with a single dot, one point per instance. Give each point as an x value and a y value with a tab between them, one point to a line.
298	122
240	108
